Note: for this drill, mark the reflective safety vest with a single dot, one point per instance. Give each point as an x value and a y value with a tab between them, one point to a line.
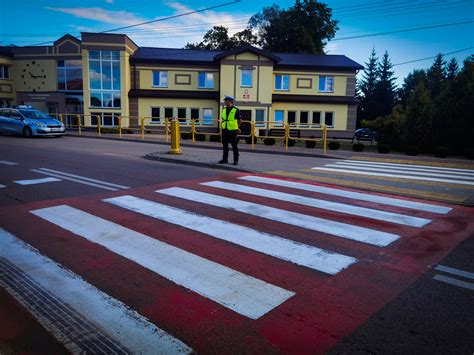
230	122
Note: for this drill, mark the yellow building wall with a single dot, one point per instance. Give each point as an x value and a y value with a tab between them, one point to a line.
340	83
146	78
7	89
24	69
145	105
340	112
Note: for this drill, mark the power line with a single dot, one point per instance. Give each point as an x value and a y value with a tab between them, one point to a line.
443	54
404	30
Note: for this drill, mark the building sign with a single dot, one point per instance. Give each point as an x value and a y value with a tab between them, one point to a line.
246	94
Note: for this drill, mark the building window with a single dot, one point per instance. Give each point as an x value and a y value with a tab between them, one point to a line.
160	79
69	75
206	80
4	72
329	119
106	118
195	114
155	115
259	117
282	82
326	84
246	78
279	117
169	112
207	116
182	115
291	117
317	118
104	78
304	117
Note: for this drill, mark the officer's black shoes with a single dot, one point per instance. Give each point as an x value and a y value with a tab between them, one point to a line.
222	162
236	163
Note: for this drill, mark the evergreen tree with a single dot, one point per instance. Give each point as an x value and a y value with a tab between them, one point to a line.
366	88
410	83
437	76
385	89
419	118
452	69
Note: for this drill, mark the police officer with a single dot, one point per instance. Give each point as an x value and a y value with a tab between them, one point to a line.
230	122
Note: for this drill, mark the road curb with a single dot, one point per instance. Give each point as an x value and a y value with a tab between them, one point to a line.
169	159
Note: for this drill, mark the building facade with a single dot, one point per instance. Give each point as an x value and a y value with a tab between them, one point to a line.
107	76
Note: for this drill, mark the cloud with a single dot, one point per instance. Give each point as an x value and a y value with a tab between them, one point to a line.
173	33
109	1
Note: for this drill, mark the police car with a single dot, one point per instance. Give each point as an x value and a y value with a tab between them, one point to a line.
29	122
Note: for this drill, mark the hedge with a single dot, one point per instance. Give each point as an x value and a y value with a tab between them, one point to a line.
412	150
441	152
215	138
186	135
291	142
334	145
200	137
269	141
358	147
383	148
310	144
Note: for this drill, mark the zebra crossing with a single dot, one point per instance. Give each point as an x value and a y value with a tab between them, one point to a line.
416	173
251	261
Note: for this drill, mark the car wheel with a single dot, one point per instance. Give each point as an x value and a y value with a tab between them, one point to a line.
27	132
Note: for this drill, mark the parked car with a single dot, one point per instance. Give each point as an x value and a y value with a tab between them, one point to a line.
29	122
364	134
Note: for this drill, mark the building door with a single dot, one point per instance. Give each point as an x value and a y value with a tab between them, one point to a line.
246	127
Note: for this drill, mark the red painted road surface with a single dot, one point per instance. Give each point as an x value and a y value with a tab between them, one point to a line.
324	308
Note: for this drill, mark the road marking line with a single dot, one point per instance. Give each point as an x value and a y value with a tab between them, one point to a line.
241	293
455	282
298	253
39	273
349	194
369	186
36	181
9	163
75	180
343	230
397	170
407	177
323	204
451	270
425	167
85	178
2	186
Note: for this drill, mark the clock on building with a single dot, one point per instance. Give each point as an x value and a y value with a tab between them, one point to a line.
33	76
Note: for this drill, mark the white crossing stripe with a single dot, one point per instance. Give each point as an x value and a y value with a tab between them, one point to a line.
121	323
400	170
2	186
424	167
404	176
85	178
241	293
36	181
326	205
298	253
455	282
9	163
344	230
349	194
451	270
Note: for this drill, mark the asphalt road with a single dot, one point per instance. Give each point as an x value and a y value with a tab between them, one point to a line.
429	317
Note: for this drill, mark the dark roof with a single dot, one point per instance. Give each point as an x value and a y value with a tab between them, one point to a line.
196	56
6	51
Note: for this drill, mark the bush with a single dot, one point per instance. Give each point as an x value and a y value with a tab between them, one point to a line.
310	144
186	135
248	140
109	130
383	148
441	152
412	150
358	147
469	153
291	142
215	138
334	145
200	137
269	141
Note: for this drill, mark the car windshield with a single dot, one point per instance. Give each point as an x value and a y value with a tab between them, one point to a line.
34	114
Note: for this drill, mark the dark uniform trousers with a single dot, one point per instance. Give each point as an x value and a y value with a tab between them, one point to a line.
230	136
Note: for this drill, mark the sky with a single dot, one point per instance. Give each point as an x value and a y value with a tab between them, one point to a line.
28	22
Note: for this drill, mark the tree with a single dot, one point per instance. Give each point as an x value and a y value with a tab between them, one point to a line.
385	89
452	69
419	118
410	83
437	76
366	88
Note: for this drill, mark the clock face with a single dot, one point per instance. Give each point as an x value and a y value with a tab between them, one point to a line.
33	75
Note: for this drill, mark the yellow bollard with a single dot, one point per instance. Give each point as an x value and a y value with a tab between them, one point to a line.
166	129
287	133
175	138
120	126
98	125
79	126
252	132
324	138
142	123
193	130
